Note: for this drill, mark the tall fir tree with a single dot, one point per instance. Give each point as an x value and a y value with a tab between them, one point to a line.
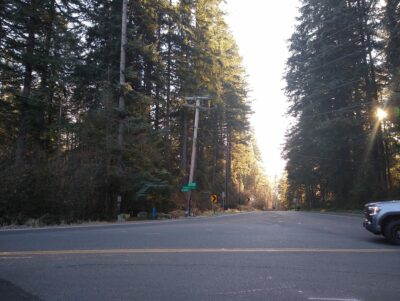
335	148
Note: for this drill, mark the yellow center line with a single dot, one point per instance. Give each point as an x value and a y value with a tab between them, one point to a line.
193	250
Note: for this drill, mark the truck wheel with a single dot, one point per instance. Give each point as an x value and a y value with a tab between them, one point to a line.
392	232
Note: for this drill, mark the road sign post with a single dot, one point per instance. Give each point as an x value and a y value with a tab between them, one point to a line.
214	200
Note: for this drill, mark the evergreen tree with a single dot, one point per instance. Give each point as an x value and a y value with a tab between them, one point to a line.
333	86
392	125
61	122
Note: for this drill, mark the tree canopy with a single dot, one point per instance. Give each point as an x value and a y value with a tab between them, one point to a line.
59	113
342	59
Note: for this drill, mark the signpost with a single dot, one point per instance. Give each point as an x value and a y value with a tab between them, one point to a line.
214	200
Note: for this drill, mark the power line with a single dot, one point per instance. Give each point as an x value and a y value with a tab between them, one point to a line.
344	109
333	159
320	93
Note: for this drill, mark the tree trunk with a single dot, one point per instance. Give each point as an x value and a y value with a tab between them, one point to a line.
26	92
121	103
215	150
168	104
228	165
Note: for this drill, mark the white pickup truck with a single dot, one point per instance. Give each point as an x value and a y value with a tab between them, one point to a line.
384	218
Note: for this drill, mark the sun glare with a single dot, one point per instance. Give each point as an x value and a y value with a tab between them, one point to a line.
381	114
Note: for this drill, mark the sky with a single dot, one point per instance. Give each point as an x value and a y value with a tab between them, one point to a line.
261	29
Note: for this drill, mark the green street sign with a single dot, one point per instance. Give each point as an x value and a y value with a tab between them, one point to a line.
189	186
192	185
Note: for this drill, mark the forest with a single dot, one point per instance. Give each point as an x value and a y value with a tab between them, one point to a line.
95	111
343	85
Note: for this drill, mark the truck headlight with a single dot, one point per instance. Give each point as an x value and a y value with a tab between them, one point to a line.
373	210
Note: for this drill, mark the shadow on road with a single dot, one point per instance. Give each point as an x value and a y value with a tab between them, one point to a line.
11	292
381	241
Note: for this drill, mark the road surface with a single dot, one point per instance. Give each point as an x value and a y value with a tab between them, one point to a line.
249	256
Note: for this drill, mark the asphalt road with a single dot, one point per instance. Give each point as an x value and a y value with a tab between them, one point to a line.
250	256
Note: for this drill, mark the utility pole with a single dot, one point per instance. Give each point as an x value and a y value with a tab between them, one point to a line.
197	107
121	102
